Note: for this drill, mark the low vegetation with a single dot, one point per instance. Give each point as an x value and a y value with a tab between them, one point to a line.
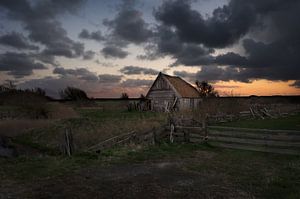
91	127
164	170
202	170
291	122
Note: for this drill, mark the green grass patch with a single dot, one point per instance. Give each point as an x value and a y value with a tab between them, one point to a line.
264	175
291	122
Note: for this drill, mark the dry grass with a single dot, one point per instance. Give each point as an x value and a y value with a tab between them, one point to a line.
61	111
13	128
91	127
18	127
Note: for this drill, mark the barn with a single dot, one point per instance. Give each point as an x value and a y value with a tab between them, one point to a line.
172	93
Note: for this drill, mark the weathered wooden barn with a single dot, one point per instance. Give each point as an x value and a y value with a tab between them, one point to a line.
172	93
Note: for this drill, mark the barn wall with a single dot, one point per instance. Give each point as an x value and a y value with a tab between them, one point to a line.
161	95
189	103
161	98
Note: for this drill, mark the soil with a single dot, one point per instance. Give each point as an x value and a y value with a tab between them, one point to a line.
150	179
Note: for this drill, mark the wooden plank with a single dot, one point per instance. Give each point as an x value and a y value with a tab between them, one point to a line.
265	136
256	148
177	134
193	135
196	140
255	142
289	132
189	127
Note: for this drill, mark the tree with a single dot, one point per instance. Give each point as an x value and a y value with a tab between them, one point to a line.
72	93
124	96
39	91
143	97
205	89
8	86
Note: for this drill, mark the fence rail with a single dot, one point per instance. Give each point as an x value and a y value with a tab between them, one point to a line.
265	140
276	141
147	137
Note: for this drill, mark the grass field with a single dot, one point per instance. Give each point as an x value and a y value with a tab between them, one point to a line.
135	171
286	123
91	127
168	171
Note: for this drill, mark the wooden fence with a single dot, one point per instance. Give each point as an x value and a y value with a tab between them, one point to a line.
148	137
275	141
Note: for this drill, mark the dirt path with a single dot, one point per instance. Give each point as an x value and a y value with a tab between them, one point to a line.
167	179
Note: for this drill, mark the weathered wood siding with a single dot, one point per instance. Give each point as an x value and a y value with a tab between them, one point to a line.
161	94
188	103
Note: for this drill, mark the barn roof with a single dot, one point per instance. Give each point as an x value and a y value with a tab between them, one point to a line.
185	89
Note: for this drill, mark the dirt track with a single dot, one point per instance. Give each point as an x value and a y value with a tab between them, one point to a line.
162	179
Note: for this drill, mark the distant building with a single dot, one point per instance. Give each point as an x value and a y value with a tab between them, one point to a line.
172	93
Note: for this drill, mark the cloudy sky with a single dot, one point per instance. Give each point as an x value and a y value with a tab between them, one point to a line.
107	47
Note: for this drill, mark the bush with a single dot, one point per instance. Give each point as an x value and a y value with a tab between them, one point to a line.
73	94
24	104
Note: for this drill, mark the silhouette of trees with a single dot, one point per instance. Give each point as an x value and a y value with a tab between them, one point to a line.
143	97
39	91
205	89
8	86
74	94
124	96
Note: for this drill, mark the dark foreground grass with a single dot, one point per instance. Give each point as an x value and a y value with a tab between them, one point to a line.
262	175
286	123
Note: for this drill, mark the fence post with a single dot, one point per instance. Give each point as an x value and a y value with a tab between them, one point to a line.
154	136
186	136
69	147
171	133
204	128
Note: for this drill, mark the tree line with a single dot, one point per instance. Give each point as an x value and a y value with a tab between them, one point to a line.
75	94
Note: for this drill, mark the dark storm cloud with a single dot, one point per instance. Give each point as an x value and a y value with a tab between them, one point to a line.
278	60
80	73
97	35
224	27
137	83
214	73
231	59
296	84
113	52
167	42
110	79
185	74
106	64
17	40
39	19
19	64
129	25
136	70
89	55
188	37
54	37
193	55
